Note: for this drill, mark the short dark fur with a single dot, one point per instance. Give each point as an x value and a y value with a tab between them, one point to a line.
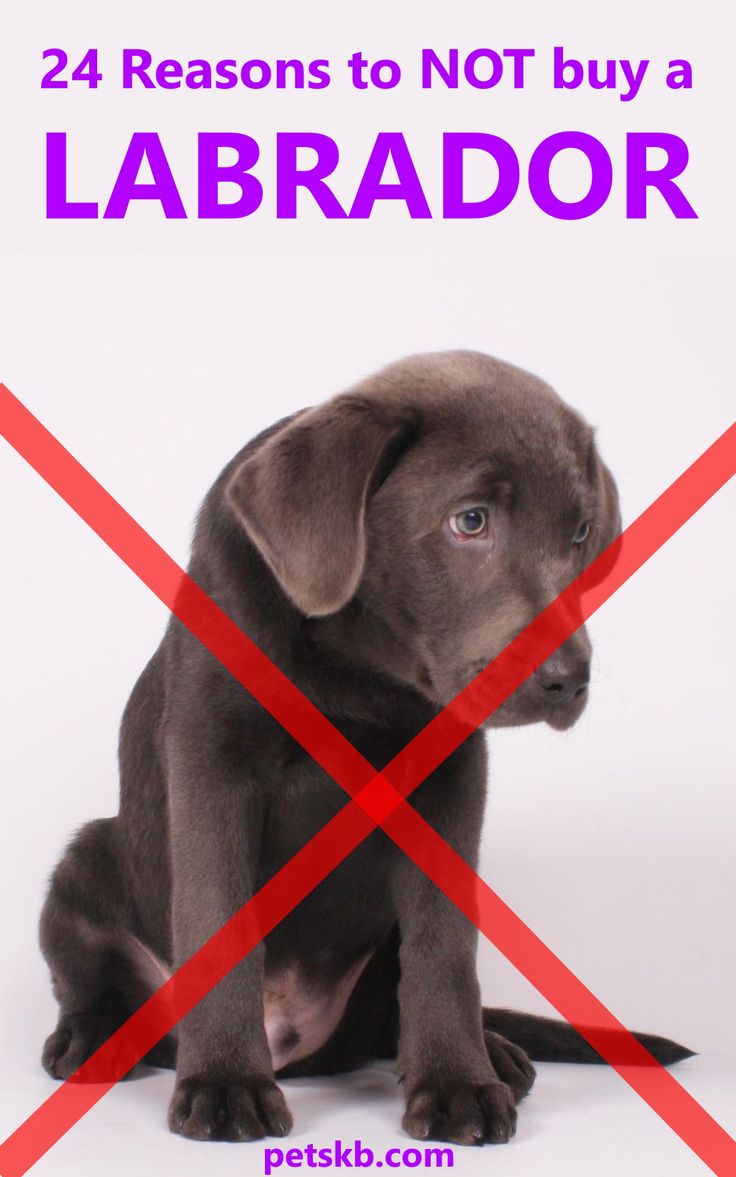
326	539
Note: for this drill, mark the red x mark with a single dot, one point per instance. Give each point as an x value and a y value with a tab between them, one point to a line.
378	798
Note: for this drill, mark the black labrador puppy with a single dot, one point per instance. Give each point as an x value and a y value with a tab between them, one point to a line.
381	549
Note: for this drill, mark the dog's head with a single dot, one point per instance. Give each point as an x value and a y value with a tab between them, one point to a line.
431	513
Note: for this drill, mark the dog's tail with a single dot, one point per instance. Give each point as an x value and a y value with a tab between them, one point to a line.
548	1040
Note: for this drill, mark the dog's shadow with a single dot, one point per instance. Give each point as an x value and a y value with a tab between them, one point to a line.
376	1094
374	1089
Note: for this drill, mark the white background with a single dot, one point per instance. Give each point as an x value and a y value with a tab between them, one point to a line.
153	350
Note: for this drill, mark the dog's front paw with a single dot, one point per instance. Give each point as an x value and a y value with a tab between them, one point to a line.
461	1112
228	1109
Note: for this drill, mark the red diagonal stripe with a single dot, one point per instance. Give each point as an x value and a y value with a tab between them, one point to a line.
338	757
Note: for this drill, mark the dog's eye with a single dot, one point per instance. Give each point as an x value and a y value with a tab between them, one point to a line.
469	524
582	533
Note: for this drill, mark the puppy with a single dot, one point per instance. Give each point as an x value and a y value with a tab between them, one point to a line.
380	549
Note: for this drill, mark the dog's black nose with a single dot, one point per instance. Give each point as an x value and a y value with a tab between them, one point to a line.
562	682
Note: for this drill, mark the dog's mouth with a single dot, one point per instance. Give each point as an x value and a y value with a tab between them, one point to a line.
526	706
563	718
521	711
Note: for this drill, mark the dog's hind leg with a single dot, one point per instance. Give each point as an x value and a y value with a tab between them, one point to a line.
512	1064
86	935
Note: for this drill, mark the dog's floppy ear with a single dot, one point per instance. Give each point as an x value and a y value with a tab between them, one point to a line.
608	517
609	508
302	495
